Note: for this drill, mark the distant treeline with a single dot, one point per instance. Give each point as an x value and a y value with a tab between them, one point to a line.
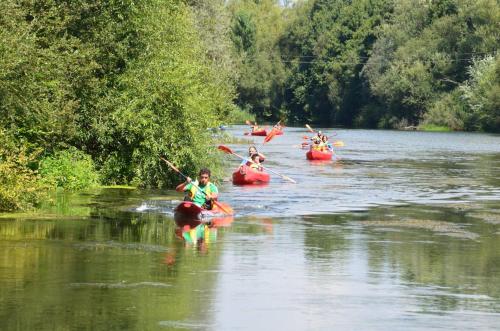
95	91
371	63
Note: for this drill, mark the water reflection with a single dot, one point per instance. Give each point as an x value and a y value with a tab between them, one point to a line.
131	270
199	233
421	252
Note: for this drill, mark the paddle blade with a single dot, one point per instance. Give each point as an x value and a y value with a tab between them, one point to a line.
225	208
225	149
309	128
270	135
305	137
248	122
338	143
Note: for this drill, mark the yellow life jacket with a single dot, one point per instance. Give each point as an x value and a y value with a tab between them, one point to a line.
255	166
194	189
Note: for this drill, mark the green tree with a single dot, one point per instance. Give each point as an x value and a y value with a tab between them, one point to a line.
422	55
256	29
164	102
482	94
327	45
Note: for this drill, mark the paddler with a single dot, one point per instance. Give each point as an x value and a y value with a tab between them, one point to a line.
325	142
317	140
255	127
254	163
251	151
203	184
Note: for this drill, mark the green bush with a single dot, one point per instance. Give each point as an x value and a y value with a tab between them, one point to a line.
448	111
69	169
239	116
19	186
481	94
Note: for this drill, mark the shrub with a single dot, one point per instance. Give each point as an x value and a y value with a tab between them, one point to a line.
19	186
239	116
447	111
69	169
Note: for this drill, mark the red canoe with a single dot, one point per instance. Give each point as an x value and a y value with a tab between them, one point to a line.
188	209
247	176
262	132
313	154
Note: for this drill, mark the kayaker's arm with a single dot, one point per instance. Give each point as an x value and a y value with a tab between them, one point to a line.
181	186
212	196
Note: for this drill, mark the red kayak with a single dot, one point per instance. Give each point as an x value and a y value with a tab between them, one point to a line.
188	209
213	222
247	176
279	133
313	154
261	132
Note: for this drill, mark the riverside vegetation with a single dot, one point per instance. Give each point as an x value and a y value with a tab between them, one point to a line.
92	92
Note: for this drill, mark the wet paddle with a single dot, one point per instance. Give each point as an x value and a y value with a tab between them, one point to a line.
338	143
228	150
221	207
313	131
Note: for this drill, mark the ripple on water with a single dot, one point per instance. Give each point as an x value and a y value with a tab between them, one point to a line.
188	325
439	227
119	285
120	245
488	217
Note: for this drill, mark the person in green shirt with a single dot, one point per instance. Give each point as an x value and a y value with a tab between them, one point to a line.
193	193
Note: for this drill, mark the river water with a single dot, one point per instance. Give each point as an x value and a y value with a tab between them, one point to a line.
400	231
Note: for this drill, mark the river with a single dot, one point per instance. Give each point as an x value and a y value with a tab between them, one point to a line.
400	231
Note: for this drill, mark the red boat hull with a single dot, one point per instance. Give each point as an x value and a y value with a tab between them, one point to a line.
259	133
318	155
189	210
246	176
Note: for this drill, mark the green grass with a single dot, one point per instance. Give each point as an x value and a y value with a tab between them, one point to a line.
434	128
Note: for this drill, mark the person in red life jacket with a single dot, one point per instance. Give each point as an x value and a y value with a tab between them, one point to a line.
202	193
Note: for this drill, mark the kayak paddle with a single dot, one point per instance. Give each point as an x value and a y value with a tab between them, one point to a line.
228	150
337	143
185	177
313	131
